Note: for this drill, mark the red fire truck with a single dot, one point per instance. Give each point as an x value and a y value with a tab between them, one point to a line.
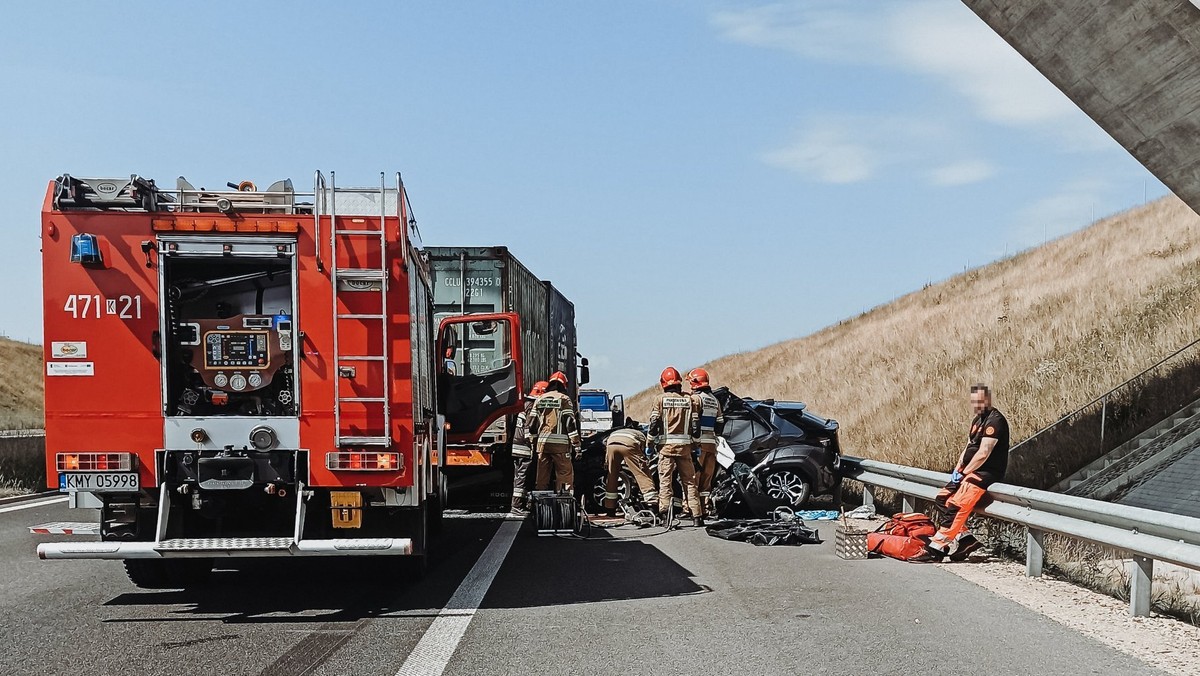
237	372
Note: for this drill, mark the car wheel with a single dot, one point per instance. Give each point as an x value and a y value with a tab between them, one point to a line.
599	489
788	486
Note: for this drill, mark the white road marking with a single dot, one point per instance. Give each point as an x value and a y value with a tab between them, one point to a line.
437	645
31	505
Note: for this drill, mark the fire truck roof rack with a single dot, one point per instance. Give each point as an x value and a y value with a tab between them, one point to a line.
135	193
244	197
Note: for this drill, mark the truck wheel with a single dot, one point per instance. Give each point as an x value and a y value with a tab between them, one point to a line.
188	573
436	507
160	574
147	573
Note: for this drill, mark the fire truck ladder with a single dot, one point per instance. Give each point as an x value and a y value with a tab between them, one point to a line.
361	281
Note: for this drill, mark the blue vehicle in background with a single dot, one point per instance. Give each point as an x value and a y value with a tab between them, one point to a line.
599	411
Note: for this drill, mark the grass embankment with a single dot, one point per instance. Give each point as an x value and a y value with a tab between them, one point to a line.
20	408
1050	329
21	391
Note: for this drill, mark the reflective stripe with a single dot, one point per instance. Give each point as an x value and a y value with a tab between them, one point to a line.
519	493
705	495
612	496
674	439
555	438
650	496
522	451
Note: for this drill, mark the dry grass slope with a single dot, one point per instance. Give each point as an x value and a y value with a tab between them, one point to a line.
1050	329
21	385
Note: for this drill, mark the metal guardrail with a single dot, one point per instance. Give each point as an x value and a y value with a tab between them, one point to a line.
21	434
1146	534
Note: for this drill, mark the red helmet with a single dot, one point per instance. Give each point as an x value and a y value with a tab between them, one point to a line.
670	376
697	378
560	378
539	388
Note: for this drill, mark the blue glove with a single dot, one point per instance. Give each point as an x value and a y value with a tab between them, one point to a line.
956	477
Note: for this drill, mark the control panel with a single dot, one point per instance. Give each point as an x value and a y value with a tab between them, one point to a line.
242	353
244	349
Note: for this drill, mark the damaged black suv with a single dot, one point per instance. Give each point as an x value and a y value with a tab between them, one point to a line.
793	452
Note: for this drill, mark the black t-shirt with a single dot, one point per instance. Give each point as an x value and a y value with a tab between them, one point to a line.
991	423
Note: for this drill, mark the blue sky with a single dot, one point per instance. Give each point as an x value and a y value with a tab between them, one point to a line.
700	178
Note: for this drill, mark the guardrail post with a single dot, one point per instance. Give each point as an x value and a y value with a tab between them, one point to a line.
908	504
1035	552
1141	580
868	496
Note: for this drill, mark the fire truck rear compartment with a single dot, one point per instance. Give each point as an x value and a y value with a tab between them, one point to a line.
229	336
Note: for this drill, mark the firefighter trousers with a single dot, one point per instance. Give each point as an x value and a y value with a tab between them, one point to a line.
708	471
956	502
554	462
521	467
671	458
635	461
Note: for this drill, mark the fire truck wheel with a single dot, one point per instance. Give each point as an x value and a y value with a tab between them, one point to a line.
437	506
415	566
147	573
159	574
188	573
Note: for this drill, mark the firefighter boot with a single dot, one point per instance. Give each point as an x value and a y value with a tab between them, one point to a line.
698	522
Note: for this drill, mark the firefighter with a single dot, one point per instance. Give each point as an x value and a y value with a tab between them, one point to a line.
711	422
522	450
627	446
982	463
675	424
555	424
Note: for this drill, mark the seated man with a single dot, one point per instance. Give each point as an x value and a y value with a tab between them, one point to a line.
982	463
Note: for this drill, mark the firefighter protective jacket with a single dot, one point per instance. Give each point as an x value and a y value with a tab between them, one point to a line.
554	422
710	416
522	441
676	420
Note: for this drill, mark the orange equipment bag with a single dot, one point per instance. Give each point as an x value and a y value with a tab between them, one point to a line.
910	524
901	547
903	536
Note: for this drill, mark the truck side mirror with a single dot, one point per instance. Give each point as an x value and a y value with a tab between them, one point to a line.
585	374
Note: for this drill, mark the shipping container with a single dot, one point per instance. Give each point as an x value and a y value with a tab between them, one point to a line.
474	280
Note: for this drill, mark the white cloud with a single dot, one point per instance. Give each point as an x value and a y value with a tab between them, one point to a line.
828	154
962	173
948	41
855	148
940	39
817	30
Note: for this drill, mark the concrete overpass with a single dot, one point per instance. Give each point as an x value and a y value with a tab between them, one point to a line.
1132	65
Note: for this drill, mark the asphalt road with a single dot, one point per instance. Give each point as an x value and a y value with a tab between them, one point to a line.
620	603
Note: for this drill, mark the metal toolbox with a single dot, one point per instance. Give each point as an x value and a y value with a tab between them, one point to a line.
850	542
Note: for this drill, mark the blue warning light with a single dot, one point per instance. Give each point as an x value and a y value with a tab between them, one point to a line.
85	249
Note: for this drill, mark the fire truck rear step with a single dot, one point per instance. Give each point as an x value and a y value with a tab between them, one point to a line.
226	547
364	441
